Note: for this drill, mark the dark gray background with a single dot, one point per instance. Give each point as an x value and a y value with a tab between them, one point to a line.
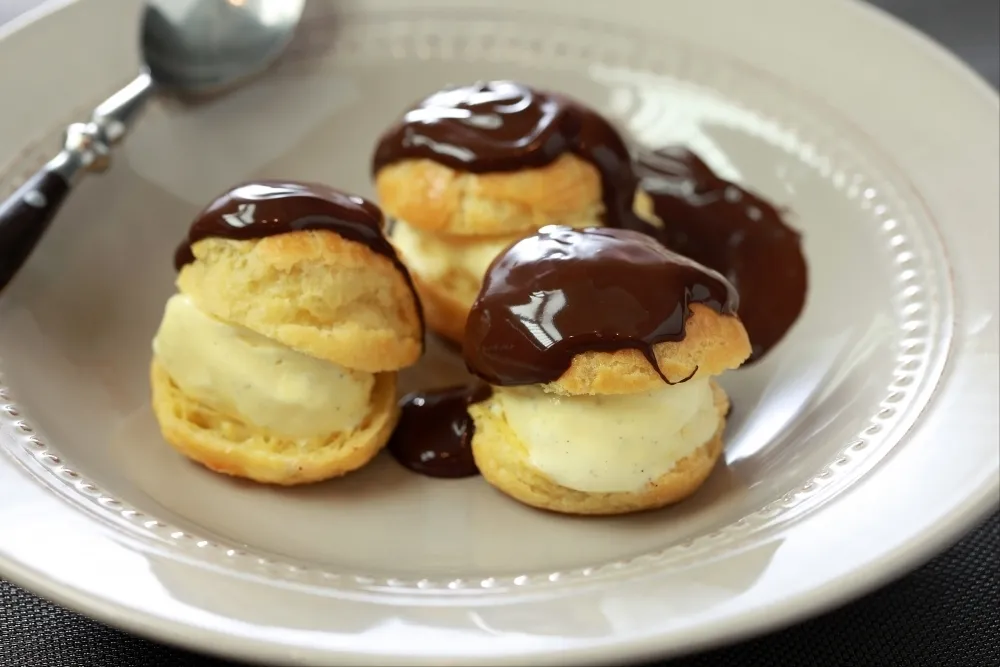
943	615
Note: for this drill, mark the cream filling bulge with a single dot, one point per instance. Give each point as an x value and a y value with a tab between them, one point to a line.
249	376
610	443
432	256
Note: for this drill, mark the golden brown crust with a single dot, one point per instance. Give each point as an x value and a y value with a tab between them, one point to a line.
445	309
712	343
313	291
229	446
436	198
504	463
643	206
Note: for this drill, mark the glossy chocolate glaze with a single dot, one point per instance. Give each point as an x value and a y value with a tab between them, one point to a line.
258	209
735	232
566	291
267	208
496	126
434	434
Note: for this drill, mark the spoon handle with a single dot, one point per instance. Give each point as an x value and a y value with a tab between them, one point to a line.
26	214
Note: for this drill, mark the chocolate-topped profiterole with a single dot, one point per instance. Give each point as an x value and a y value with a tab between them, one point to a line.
435	430
498	126
602	348
563	292
277	358
735	232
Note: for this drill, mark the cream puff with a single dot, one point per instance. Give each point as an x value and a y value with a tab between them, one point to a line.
276	361
601	347
472	169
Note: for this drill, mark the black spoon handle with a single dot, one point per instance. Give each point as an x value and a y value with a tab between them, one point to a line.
25	216
27	213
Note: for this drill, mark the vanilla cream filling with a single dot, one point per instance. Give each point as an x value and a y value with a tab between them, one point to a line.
610	443
246	375
433	256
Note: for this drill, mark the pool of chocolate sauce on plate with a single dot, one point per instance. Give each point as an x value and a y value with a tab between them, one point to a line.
434	433
735	232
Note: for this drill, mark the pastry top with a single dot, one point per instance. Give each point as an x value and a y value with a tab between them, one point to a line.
601	311
499	157
307	266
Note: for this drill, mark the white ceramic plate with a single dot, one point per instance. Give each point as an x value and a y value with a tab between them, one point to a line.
865	443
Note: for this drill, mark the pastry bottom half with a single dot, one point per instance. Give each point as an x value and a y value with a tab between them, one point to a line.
504	462
229	446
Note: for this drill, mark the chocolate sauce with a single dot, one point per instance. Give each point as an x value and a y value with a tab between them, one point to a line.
267	208
506	126
735	232
566	291
434	434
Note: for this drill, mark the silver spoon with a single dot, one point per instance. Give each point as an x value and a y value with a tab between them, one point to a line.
189	48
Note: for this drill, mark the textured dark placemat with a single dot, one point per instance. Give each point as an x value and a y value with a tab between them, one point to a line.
946	614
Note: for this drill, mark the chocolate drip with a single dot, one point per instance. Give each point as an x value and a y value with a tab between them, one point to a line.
434	434
735	232
497	126
566	291
267	208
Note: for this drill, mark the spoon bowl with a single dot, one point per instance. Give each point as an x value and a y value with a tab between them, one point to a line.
200	47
